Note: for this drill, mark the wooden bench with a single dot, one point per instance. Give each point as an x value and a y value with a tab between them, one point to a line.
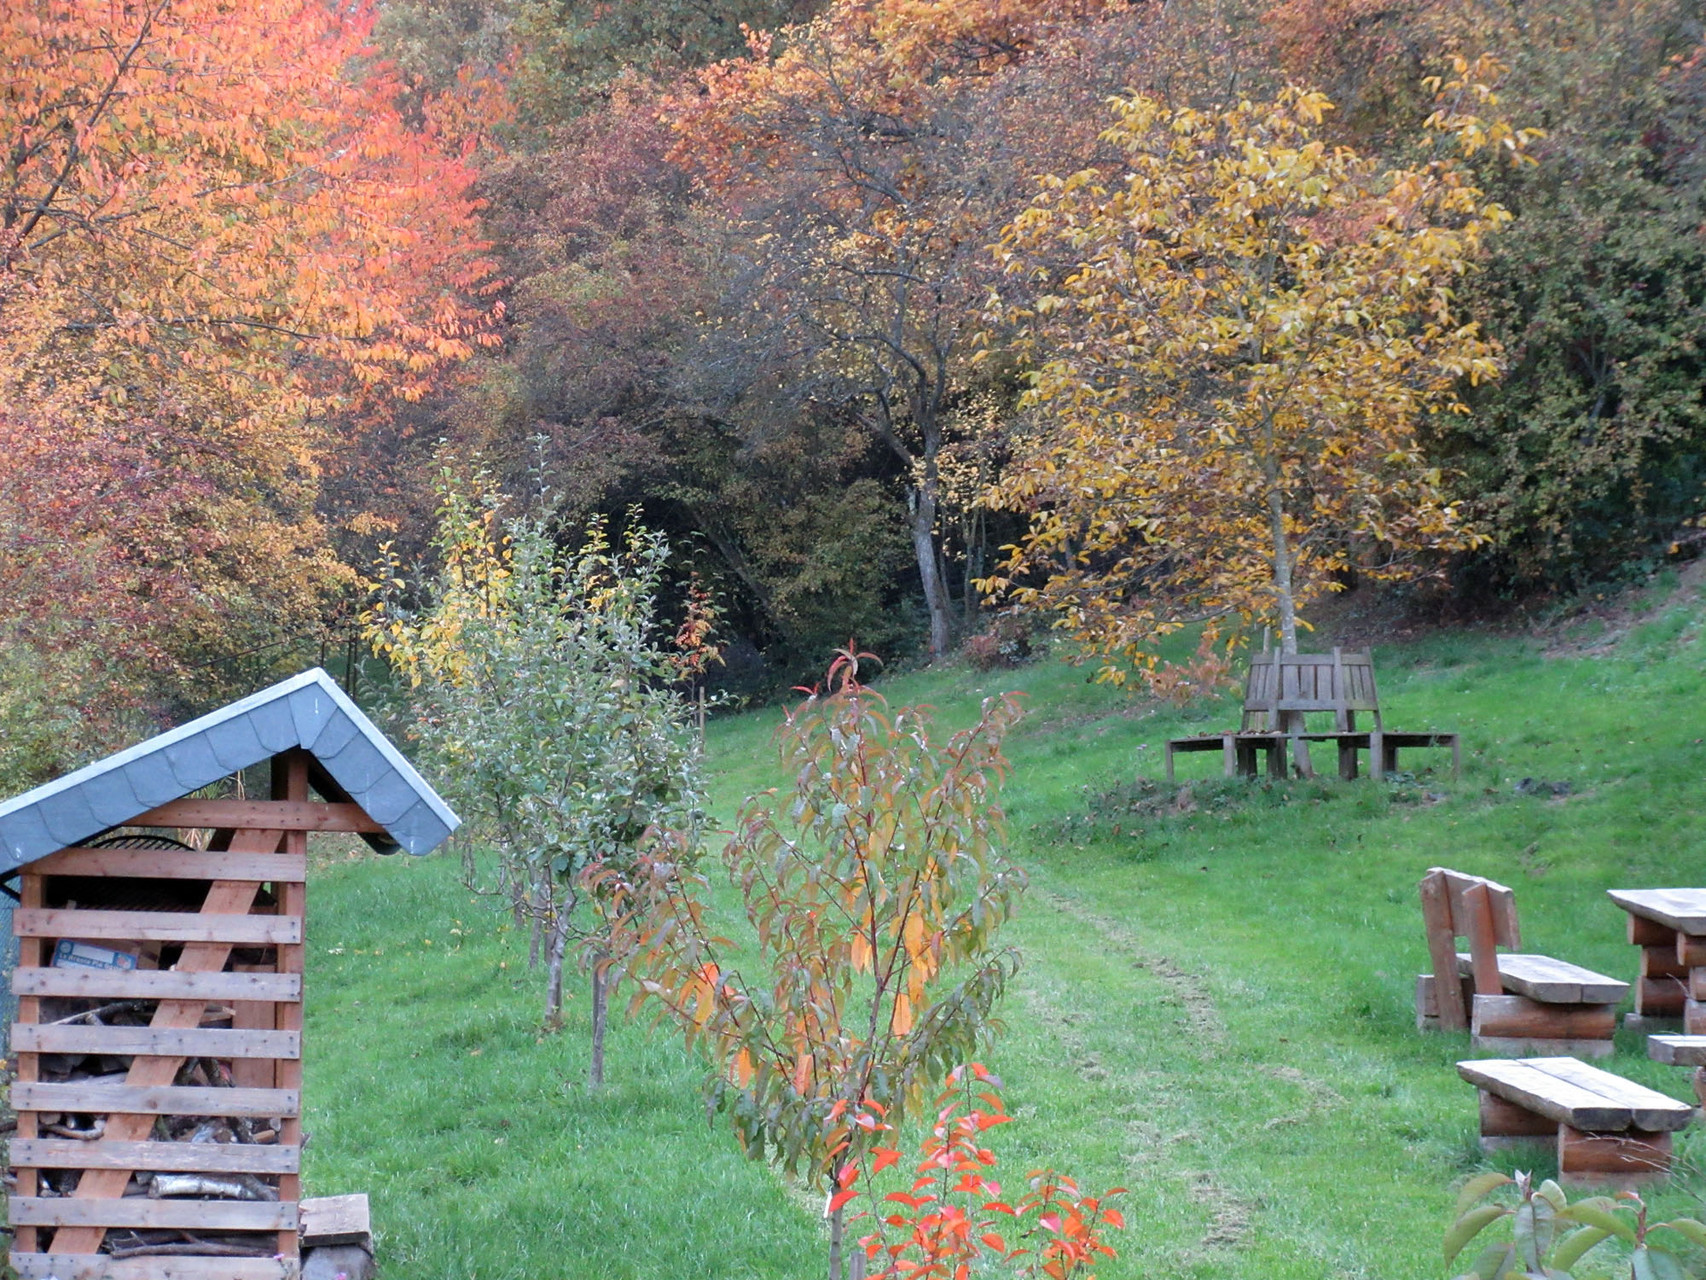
1606	1127
1682	1051
1510	1001
1282	690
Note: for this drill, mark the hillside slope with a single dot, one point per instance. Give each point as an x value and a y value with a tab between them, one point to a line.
1214	1009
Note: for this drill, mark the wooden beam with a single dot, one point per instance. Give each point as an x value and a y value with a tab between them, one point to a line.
157	926
155	1100
1442	949
30	896
151	984
271	815
141	1213
176	864
162	1157
100	1266
198	1042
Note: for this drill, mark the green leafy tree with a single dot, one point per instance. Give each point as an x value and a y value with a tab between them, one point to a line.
876	899
1592	448
539	687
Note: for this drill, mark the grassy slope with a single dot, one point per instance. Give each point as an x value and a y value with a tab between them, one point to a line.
1215	1008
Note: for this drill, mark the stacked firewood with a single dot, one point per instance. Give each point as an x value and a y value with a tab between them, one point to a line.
96	1070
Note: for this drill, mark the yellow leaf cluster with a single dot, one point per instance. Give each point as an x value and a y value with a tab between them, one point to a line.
1233	369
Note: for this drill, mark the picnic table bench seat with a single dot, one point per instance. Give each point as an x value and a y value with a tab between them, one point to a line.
1281	690
1238	751
1549	981
1682	1051
1606	1127
1511	1001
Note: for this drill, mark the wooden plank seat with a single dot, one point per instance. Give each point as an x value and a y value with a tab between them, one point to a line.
1510	1001
1390	741
1682	1051
1550	981
1238	751
1282	690
1606	1127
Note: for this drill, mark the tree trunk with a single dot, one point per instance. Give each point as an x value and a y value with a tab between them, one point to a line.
600	1004
922	507
1283	597
836	1227
974	569
1286	602
554	970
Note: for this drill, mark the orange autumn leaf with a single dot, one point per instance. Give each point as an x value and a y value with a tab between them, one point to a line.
900	1020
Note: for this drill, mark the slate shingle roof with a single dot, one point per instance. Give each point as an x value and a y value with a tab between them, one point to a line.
352	761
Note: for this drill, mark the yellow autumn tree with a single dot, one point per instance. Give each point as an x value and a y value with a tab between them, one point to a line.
1234	339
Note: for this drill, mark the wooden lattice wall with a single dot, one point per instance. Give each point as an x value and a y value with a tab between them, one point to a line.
159	1109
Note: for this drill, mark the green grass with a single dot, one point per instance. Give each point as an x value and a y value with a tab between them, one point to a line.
1215	1006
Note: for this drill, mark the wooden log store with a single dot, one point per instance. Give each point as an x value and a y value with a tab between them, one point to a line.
160	985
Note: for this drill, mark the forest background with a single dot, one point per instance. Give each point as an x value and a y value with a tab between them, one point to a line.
729	270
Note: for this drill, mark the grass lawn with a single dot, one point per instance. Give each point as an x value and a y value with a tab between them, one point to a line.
1215	1006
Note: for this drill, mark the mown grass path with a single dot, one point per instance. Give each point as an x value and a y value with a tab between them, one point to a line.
1214	1009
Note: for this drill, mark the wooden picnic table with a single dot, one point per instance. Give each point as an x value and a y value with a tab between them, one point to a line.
1669	925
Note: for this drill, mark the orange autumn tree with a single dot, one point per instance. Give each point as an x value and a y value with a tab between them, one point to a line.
1236	341
216	229
854	160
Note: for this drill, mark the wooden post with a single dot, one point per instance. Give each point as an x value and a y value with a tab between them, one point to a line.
1660	998
1504	1119
29	1064
1660	962
1650	933
1483	941
1519	1018
1442	950
1634	1154
1690	950
293	901
1694	1018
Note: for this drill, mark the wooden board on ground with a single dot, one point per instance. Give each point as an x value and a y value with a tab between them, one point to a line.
329	1220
